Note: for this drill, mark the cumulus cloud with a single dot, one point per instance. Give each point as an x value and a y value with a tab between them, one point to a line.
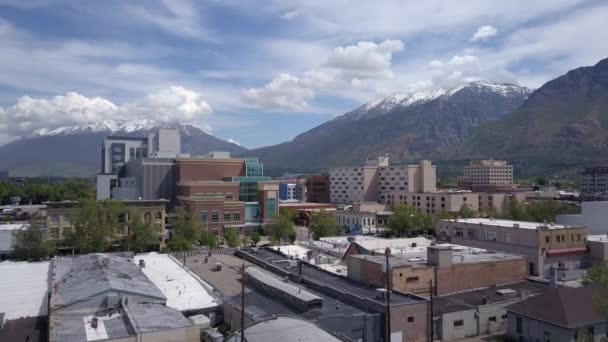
175	104
285	91
231	140
458	69
483	33
366	60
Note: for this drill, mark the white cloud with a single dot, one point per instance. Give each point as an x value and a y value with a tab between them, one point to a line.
366	60
175	104
483	33
285	92
178	17
290	15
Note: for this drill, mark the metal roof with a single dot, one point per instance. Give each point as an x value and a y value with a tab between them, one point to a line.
285	328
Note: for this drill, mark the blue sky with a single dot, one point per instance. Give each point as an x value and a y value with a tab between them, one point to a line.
261	72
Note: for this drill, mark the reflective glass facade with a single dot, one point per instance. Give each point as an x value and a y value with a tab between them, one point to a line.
248	184
252	212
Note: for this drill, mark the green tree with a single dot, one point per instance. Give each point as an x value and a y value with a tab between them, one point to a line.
30	243
255	238
540	181
467	212
209	240
94	225
405	220
516	211
178	243
141	234
288	213
546	210
186	227
281	228
232	238
598	276
322	224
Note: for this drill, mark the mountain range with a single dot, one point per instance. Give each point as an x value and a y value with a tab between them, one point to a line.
75	151
561	125
406	126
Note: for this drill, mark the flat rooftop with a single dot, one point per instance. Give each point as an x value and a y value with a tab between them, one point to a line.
325	261
511	223
184	290
471	299
460	255
13	226
285	328
24	289
599	238
342	284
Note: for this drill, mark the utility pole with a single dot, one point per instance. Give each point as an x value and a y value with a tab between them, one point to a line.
387	253
243	303
431	320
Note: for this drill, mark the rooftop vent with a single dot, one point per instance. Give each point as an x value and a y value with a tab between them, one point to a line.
94	323
506	292
217	267
381	293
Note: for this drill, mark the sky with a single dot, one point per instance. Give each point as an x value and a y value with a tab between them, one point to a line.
260	72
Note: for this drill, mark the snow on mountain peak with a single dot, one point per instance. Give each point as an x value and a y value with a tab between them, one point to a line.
109	126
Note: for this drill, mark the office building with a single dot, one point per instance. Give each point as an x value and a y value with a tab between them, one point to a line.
362	218
453	201
559	314
318	188
287	191
593	182
116	151
147	179
107	297
544	245
373	181
489	173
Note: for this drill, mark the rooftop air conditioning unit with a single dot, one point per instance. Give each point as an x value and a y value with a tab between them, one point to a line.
381	293
218	267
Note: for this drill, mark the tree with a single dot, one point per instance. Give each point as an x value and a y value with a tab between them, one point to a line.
322	224
186	227
232	238
516	211
141	234
405	220
280	228
30	243
209	240
598	276
540	181
178	243
94	225
288	213
255	238
467	212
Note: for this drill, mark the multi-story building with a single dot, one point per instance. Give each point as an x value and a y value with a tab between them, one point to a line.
116	151
488	173
452	201
287	191
373	181
546	246
59	214
147	179
593	181
317	188
361	218
293	190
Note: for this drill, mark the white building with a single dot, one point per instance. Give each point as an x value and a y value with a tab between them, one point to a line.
594	216
488	172
7	235
374	180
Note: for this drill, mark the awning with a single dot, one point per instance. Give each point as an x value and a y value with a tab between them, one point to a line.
567	251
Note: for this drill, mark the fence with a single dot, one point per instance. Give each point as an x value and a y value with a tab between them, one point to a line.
203	251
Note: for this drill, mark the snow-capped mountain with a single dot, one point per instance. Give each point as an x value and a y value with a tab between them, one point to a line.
385	105
75	150
407	126
107	126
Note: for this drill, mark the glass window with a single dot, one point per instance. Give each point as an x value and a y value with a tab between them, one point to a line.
270	208
226	217
215	216
204	216
411	279
228	195
458	323
519	325
131	153
410	319
236	216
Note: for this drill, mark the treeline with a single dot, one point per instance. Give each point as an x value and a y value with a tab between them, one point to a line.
36	193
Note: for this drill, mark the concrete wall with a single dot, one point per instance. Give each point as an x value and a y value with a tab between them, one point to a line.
195	169
462	277
402	324
598	250
592	216
187	334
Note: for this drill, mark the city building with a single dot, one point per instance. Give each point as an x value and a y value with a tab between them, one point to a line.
147	179
7	236
24	301
410	314
544	245
362	218
593	181
318	188
107	297
374	180
479	312
154	212
116	151
491	174
598	248
592	216
451	269
559	314
287	191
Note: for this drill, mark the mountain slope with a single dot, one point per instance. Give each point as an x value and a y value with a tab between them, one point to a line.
75	151
565	121
406	127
